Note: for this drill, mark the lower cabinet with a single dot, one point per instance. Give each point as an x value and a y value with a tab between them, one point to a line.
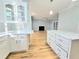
65	45
14	43
19	43
4	47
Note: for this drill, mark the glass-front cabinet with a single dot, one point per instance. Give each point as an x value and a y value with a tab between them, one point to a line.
14	19
21	15
9	12
14	16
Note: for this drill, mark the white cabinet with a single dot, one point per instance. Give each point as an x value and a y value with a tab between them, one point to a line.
64	44
4	47
14	15
14	43
19	43
2	27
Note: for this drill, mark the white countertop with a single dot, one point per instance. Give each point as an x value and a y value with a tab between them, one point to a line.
69	35
3	34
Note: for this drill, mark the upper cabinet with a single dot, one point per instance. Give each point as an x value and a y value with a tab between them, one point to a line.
9	12
22	10
21	15
14	16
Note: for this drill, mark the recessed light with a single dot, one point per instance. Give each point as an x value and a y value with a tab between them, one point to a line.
51	12
74	0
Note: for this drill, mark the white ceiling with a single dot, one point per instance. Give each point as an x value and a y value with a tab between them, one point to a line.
42	7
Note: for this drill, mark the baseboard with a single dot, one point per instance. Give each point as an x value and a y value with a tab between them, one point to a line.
17	52
8	56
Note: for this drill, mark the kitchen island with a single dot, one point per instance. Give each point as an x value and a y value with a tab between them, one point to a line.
65	44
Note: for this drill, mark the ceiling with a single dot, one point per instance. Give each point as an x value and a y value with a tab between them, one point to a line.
41	8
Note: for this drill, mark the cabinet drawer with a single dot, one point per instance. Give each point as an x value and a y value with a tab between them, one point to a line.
64	42
61	53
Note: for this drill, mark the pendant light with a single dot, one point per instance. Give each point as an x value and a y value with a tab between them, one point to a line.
51	12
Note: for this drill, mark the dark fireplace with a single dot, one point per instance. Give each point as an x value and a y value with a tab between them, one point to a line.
41	28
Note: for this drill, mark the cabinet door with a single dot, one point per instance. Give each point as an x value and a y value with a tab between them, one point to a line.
9	12
12	27
20	43
4	49
21	13
2	11
12	44
21	28
2	27
22	10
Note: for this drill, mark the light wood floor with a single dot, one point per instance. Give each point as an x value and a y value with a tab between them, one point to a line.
38	49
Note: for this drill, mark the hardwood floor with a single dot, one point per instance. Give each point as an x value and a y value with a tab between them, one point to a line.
38	48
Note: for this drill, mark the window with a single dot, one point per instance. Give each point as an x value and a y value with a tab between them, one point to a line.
55	25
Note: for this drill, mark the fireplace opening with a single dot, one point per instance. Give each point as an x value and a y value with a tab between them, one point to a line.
41	28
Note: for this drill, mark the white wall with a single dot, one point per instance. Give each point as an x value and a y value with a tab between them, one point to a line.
69	19
47	22
39	22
